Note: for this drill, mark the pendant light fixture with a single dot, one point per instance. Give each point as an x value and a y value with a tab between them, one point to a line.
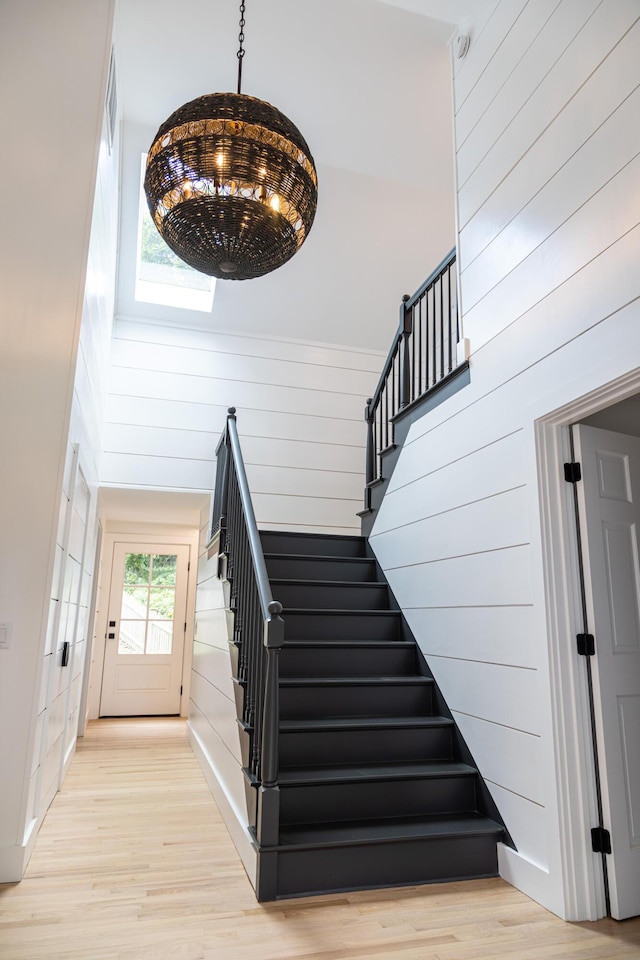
231	184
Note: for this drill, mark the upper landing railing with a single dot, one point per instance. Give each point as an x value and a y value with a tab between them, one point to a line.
422	355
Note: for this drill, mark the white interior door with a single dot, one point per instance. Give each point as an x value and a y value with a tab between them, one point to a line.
145	630
610	520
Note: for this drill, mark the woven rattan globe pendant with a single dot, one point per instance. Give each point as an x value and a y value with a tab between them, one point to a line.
231	184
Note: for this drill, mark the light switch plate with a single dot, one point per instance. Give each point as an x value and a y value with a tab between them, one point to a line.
5	636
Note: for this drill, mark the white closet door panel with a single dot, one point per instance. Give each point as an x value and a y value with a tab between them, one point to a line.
50	638
614	80
502	635
516	96
549	95
44	682
35	759
615	209
55	725
472	476
501	578
500	694
509	758
489	524
583	175
78	658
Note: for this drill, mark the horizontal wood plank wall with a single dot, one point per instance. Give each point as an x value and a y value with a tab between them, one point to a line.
548	162
300	419
212	724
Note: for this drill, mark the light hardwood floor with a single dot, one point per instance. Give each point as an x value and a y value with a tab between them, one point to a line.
133	862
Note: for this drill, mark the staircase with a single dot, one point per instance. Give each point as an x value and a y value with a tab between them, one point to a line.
376	786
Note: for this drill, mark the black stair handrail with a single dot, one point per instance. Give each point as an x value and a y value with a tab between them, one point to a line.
258	626
422	354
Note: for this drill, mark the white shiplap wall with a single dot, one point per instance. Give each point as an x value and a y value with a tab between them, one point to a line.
548	162
300	419
212	724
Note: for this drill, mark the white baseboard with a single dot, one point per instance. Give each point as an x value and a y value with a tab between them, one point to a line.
530	878
235	824
14	859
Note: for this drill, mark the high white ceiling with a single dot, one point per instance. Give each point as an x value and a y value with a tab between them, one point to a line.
368	85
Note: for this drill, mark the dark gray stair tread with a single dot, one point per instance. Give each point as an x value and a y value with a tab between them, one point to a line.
330	557
341	611
340	584
355	832
375	771
411	681
344	644
363	723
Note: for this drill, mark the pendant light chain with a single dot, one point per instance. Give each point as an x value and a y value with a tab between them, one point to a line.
241	50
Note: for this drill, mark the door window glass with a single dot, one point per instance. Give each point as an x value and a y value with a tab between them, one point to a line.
148	603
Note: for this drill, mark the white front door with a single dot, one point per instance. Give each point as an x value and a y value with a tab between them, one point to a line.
610	521
145	630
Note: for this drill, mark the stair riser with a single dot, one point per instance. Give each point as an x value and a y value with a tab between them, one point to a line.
329	596
309	568
364	746
352	801
306	872
394	700
351	628
347	662
312	545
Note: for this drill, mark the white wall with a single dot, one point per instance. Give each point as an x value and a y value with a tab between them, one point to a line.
300	419
68	620
212	726
548	159
50	162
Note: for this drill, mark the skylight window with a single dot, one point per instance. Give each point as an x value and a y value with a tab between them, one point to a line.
161	276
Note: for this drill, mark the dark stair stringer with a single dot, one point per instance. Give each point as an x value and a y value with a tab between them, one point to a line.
377	787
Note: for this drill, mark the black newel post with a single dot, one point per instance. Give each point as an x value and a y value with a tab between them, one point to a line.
269	794
406	328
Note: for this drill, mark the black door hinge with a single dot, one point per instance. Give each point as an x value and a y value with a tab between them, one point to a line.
180	690
586	644
600	840
572	472
188	566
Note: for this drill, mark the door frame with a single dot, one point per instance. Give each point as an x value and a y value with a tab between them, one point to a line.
141	535
583	880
